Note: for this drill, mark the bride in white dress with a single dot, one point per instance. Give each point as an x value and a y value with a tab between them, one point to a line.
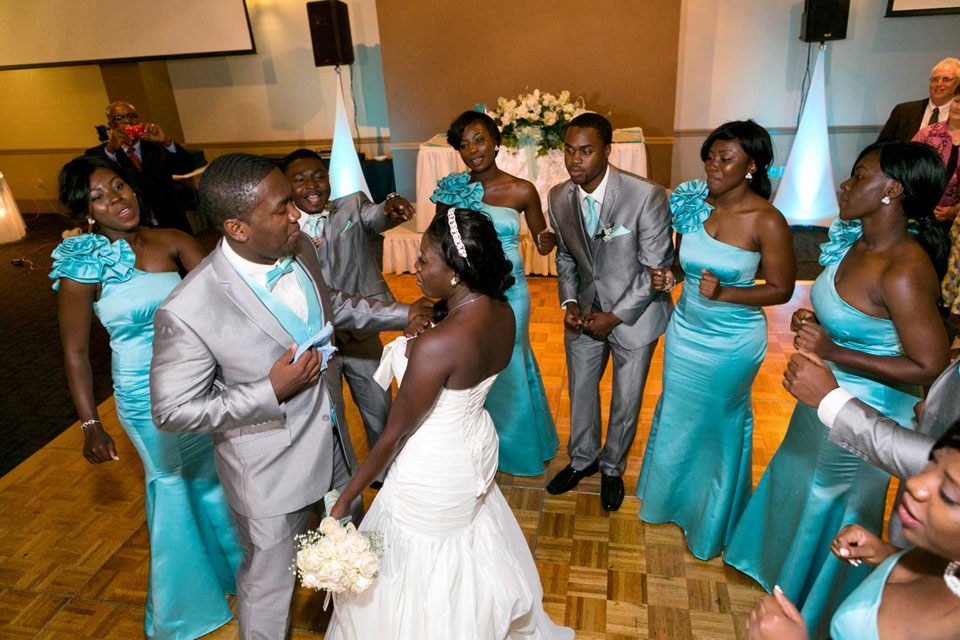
456	564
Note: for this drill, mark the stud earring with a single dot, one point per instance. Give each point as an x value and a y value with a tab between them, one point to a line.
749	176
91	221
496	148
454	281
885	200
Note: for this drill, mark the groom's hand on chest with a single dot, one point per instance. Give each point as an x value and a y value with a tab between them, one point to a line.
288	377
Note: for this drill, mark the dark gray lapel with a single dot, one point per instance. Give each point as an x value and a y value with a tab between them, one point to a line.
247	301
576	219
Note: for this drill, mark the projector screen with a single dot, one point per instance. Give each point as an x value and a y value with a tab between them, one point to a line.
46	33
901	8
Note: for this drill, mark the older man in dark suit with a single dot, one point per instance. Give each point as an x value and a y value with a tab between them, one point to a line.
909	117
153	158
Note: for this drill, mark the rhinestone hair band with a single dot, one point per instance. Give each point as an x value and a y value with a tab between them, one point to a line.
455	233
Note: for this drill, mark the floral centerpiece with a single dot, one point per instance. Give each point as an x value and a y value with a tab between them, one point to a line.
535	119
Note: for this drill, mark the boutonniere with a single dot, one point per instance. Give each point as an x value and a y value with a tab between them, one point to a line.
607	234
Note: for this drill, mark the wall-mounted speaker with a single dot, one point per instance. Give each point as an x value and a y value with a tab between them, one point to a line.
330	33
824	20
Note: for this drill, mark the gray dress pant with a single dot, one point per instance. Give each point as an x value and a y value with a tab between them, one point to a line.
586	361
358	361
265	582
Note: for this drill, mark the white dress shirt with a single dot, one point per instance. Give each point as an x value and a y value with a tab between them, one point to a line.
942	115
597	195
287	289
136	149
831	404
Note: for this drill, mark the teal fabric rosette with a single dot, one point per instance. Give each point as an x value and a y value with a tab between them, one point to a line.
688	206
92	258
842	235
457	191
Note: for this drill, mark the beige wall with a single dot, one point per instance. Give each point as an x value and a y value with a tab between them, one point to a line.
744	59
46	117
442	57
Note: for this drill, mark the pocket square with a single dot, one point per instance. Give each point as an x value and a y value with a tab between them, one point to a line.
347	226
322	342
619	231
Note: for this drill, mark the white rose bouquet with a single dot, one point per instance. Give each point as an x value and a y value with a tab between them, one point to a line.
535	119
337	558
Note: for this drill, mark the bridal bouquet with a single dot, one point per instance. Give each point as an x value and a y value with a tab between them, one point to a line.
336	557
535	119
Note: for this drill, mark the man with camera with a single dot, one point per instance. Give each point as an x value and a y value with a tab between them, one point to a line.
151	157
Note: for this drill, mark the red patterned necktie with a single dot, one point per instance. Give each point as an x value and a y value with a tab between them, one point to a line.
132	153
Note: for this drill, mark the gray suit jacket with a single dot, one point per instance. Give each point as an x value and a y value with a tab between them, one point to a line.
350	263
213	348
901	452
615	273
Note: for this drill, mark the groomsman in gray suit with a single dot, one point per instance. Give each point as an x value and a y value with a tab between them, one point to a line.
612	227
223	363
341	230
866	433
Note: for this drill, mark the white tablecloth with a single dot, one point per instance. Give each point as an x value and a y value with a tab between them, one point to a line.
402	246
11	222
434	162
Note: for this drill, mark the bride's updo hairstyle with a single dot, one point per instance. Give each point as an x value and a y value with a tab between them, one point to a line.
485	269
920	171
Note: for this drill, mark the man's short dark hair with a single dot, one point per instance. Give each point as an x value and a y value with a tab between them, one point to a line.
299	154
596	122
228	187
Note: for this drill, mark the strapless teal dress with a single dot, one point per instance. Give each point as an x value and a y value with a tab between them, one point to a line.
812	487
517	402
697	465
194	552
856	619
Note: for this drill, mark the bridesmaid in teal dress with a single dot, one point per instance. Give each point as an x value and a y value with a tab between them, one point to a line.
697	465
122	272
875	321
912	594
517	402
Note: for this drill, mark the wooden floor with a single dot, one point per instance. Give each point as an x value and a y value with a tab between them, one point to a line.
74	548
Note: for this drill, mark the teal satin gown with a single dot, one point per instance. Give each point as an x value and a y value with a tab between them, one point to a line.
697	465
856	619
517	401
813	488
194	551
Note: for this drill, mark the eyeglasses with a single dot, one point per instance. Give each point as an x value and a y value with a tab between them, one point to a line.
938	79
129	117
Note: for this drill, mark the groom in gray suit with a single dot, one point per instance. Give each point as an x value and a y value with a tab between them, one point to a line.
868	434
223	363
341	230
612	227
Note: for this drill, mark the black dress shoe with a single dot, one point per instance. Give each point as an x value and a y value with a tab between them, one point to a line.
568	478
611	492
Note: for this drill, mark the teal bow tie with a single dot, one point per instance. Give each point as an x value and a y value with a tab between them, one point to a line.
282	268
591	217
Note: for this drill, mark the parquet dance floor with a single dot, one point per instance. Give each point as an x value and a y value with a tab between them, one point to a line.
74	548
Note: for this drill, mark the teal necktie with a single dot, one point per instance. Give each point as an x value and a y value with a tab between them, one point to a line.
282	268
591	217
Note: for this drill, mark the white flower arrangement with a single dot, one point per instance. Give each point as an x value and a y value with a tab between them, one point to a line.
535	119
337	558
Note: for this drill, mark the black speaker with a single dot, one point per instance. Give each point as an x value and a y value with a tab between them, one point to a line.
330	33
824	20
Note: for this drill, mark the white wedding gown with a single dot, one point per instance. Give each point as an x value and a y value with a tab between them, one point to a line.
456	565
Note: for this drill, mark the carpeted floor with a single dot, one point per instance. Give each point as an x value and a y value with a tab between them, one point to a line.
35	405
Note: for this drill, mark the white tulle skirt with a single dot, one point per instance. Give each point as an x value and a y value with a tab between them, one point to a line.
11	222
479	583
